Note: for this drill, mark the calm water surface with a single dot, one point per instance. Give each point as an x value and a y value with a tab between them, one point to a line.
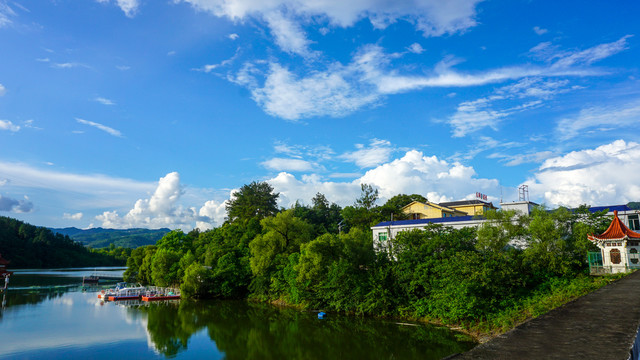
47	314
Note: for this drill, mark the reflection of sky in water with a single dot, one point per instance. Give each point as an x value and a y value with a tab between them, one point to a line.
72	320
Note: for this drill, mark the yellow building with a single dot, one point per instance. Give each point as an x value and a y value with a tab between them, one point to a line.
471	207
418	210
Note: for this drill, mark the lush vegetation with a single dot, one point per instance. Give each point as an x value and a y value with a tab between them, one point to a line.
103	238
321	257
28	246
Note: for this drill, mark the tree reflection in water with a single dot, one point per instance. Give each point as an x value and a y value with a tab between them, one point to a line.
244	330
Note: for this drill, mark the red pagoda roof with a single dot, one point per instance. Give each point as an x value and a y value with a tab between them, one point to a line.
617	230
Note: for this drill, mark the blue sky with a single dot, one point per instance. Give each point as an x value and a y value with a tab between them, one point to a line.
137	113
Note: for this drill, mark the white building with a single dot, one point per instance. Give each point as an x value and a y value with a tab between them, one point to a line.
386	230
619	248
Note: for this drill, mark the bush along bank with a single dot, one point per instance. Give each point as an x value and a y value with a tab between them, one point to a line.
474	279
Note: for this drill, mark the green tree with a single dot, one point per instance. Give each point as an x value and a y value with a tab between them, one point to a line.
368	197
254	200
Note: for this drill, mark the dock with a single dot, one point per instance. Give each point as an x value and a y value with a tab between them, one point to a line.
601	325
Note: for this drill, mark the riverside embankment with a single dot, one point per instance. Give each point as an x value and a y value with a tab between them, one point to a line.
600	325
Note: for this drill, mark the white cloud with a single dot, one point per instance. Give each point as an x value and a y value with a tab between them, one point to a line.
606	175
160	210
171	53
471	116
234	36
101	189
378	152
9	126
320	93
3	90
432	17
564	59
211	67
416	48
518	159
437	179
129	7
123	67
214	211
104	128
288	35
540	31
76	216
5	15
597	117
283	164
68	65
104	101
366	80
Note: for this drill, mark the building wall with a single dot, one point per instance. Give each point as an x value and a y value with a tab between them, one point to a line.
428	211
382	234
472	210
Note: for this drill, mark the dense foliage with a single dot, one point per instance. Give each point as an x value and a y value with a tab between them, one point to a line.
322	257
103	238
28	246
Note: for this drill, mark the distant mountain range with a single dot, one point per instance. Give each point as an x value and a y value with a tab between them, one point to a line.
101	238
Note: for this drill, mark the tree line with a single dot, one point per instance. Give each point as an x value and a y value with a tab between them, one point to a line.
29	246
321	256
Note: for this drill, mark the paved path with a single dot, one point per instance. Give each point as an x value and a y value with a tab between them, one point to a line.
601	325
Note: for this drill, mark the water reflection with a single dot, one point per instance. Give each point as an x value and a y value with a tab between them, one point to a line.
243	330
49	320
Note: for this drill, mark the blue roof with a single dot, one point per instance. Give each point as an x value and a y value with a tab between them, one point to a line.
430	221
610	207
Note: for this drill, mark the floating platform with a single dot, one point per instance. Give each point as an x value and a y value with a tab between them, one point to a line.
126	297
155	298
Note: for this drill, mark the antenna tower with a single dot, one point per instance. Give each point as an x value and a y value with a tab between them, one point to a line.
523	193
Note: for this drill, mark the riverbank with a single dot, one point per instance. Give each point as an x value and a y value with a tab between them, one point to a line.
600	325
556	294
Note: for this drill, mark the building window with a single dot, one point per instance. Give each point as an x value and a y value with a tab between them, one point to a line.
633	256
383	236
634	222
416	216
615	256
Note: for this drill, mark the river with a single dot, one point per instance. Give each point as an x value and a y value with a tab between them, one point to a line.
48	314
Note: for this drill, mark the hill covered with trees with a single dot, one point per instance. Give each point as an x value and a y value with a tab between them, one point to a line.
102	238
321	256
28	246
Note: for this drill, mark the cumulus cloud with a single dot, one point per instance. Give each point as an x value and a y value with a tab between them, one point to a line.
606	175
76	216
164	209
9	126
437	179
284	164
234	36
378	152
215	213
160	210
13	205
598	117
3	90
108	130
